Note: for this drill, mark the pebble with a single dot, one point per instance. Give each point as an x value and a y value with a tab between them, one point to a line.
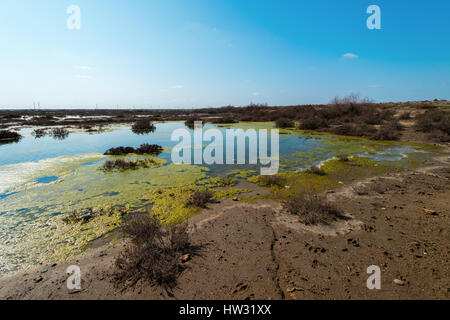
399	282
432	212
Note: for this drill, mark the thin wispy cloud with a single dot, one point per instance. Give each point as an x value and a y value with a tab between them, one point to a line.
84	68
350	56
179	86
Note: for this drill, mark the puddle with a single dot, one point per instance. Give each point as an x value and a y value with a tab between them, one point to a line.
48	179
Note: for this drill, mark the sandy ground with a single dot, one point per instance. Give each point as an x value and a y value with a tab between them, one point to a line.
258	251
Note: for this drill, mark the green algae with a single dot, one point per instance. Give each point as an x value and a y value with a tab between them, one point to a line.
169	205
337	173
42	235
36	213
72	238
244	174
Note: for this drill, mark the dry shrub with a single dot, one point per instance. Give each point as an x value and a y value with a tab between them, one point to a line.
313	123
311	208
199	198
343	158
143	126
387	132
122	165
145	148
9	135
351	129
284	123
224	120
149	149
119	151
272	180
435	122
190	122
405	115
316	170
39	133
59	133
153	255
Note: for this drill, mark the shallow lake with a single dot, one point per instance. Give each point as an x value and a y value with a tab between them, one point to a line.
42	178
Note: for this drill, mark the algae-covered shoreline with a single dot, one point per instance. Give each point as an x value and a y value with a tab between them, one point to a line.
36	211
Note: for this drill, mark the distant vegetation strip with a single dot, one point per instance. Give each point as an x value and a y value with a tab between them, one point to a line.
145	148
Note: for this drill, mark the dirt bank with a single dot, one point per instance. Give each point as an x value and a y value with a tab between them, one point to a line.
258	251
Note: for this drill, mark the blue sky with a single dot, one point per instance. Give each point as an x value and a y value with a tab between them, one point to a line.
199	53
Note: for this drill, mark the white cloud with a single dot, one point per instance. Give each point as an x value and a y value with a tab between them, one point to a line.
84	68
350	56
256	94
179	86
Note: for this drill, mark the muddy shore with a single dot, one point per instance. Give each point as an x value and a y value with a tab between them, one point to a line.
258	251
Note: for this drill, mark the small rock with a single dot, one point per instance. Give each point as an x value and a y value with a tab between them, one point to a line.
38	279
235	199
431	212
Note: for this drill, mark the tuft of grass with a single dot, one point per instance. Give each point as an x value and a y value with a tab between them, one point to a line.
227	181
316	170
39	133
153	254
272	180
199	198
59	133
123	165
312	209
